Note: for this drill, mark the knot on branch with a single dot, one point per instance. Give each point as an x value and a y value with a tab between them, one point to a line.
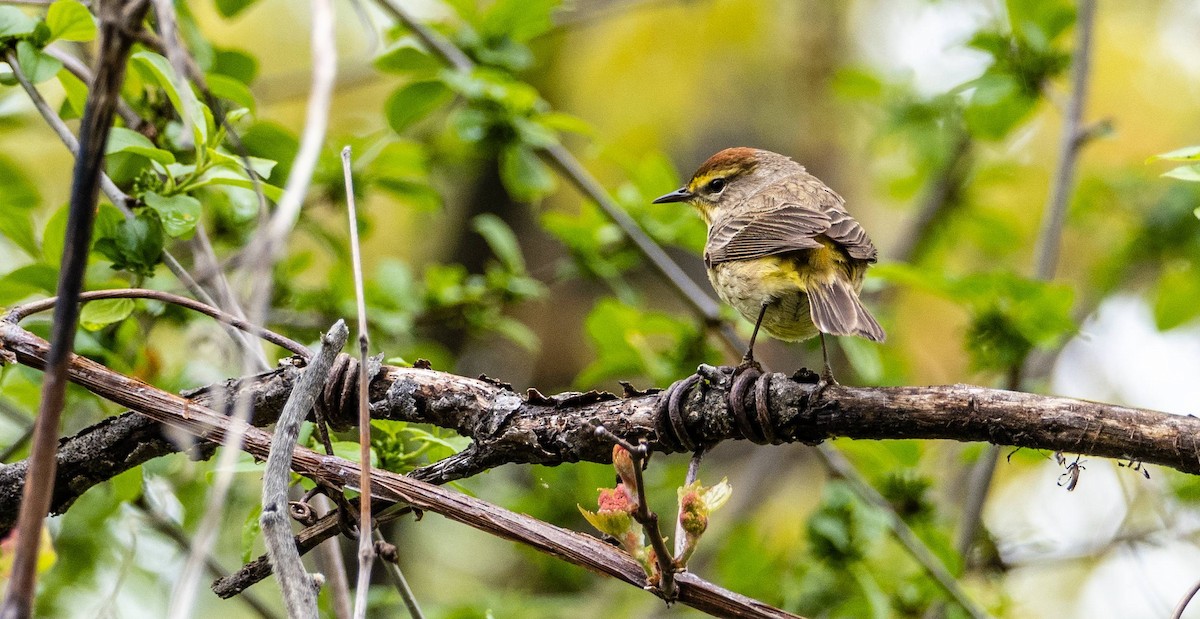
747	401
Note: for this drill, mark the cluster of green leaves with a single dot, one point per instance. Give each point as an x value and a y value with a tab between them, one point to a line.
1009	315
166	177
1025	56
1188	172
495	111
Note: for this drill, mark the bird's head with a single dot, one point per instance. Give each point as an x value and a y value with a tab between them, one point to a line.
728	178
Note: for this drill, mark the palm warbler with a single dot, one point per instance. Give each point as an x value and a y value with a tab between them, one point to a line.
781	247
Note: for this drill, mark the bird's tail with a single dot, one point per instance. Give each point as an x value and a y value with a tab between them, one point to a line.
836	310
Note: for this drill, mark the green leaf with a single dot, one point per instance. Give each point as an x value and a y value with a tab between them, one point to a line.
231	89
1188	153
17	226
252	527
96	315
135	245
997	105
179	213
76	92
53	237
14	22
1175	296
407	56
69	20
237	64
516	332
501	239
271	192
262	167
525	176
18	199
231	8
1185	173
122	140
415	101
273	142
37	65
26	281
519	20
156	69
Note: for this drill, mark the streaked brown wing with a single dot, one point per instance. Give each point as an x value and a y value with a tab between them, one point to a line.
847	233
780	229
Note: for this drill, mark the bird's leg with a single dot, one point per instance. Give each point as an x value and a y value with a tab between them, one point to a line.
827	378
827	371
748	358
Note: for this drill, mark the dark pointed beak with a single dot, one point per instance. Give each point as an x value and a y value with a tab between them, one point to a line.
679	195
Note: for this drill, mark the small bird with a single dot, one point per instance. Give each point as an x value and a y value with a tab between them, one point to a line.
781	248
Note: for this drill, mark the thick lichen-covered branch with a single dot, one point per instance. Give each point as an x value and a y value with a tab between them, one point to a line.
530	428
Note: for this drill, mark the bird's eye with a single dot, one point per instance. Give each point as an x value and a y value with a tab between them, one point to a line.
715	185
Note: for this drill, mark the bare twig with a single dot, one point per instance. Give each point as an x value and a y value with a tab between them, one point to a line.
114	45
333	565
945	580
20	312
941	195
1050	236
1187	599
366	552
299	592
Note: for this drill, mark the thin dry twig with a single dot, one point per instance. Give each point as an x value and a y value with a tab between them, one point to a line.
366	551
86	177
391	561
1183	602
21	312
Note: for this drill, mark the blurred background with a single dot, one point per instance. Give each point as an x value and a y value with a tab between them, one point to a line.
940	123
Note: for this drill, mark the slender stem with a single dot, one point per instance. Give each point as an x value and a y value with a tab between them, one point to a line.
1070	142
21	312
86	178
299	594
1187	599
405	591
644	516
366	552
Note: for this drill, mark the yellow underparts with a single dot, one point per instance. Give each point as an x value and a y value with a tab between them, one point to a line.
782	282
